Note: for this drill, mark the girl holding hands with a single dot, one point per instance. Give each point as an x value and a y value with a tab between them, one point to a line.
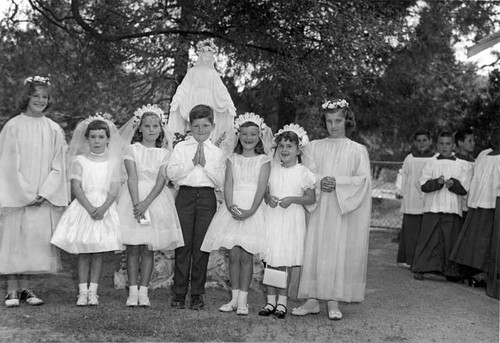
90	225
148	219
239	224
291	186
336	248
33	191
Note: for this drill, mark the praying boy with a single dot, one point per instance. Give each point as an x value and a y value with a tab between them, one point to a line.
444	182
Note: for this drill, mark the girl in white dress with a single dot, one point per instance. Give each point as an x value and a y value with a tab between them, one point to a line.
238	224
336	250
33	191
90	225
148	219
291	187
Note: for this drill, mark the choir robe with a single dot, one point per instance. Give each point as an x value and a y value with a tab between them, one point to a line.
336	250
412	204
32	163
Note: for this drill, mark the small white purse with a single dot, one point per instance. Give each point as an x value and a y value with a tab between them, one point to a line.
274	277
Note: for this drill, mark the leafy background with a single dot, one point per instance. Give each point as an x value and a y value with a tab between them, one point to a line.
393	60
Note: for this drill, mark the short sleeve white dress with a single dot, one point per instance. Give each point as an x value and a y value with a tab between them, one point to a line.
286	227
164	229
77	232
226	232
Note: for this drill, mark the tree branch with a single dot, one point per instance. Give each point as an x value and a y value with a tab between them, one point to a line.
75	9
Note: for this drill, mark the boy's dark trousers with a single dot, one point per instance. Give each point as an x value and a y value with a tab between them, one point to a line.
195	206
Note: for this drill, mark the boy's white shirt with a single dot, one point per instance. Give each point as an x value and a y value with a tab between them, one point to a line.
183	172
444	200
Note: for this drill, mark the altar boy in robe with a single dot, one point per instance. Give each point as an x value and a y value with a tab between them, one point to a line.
444	182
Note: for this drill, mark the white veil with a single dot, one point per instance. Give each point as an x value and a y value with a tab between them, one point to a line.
79	145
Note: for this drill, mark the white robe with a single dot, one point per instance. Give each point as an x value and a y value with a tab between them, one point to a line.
32	163
413	197
336	249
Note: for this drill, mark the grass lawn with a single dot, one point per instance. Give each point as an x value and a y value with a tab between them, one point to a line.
59	319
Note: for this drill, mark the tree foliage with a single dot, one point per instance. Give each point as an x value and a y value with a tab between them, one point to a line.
280	59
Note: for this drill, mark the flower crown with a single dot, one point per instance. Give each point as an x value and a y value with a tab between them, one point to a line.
39	79
298	130
249	117
328	105
207	43
98	116
150	109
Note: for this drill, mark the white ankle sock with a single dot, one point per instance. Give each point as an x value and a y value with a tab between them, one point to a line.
271	299
82	287
242	298
282	299
93	287
143	290
235	293
133	289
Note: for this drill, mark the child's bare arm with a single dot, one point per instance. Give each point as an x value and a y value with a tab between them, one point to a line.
132	181
308	198
143	205
265	171
76	188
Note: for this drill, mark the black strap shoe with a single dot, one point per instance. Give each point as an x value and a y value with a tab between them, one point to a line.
267	310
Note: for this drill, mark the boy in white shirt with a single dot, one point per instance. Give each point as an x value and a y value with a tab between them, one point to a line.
197	167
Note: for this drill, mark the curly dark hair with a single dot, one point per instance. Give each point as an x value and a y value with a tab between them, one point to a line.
138	134
28	90
288	136
259	148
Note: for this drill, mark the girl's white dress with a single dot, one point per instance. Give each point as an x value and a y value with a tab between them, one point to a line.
77	232
164	229
286	227
226	232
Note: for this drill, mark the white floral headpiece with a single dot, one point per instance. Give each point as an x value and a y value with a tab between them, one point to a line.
207	43
40	79
328	105
298	130
150	109
98	116
249	117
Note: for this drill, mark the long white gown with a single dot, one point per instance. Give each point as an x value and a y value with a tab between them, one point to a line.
336	248
32	162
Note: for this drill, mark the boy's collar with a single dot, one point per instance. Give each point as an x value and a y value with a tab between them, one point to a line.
441	157
426	153
461	156
192	140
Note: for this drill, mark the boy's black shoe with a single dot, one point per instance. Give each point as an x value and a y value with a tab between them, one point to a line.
196	302
179	301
